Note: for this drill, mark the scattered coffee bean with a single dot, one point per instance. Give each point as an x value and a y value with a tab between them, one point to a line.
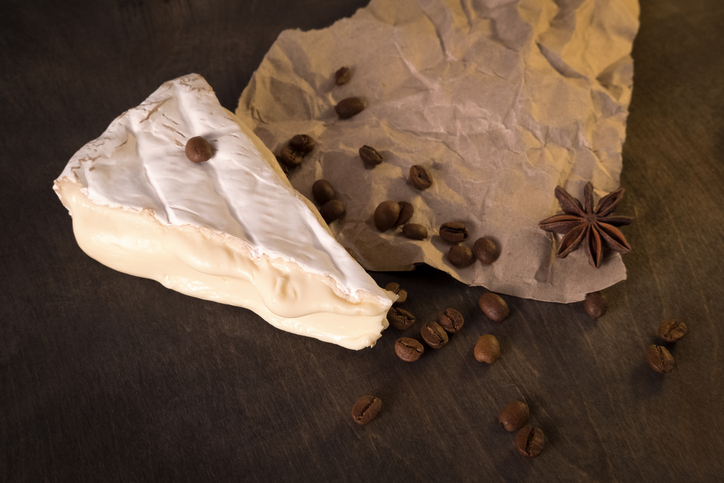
401	292
322	191
342	76
672	330
660	359
370	156
406	212
434	335
530	441
454	232
460	256
494	306
366	409
332	210
487	349
451	320
400	319
290	157
414	231
282	165
198	149
386	215
514	416
349	107
486	251
595	305
302	144
420	178
407	349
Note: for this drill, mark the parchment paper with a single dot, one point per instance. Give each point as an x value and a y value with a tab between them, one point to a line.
500	100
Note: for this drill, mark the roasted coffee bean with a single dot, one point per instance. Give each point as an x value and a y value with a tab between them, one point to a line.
514	416
660	359
322	191
386	215
349	107
595	304
420	178
366	409
414	231
486	251
451	320
530	441
332	210
434	335
401	292
487	349
409	350
454	232
370	156
290	157
494	306
198	149
672	330
400	318
342	76
460	256
302	144
406	212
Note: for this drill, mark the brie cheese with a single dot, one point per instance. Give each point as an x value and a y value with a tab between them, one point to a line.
231	229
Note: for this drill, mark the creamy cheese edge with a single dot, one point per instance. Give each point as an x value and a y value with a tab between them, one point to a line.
203	264
232	230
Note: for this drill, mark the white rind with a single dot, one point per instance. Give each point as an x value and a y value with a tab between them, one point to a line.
231	229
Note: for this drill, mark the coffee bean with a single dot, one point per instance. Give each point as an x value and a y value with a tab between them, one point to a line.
332	210
672	330
370	156
487	349
349	107
420	178
434	335
290	157
494	306
322	191
400	318
595	305
366	409
407	349
198	149
451	320
342	76
302	144
660	359
460	256
401	292
414	231
454	232
386	215
514	416
406	212
486	251
282	165
530	441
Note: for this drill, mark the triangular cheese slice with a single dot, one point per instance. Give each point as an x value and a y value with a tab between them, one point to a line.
231	229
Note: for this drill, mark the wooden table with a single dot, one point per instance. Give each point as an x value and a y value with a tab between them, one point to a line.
107	377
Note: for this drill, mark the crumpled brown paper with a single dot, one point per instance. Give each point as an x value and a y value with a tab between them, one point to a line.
501	100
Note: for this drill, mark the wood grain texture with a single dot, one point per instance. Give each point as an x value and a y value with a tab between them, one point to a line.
107	377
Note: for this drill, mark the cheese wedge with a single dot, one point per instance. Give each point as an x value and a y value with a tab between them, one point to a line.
230	230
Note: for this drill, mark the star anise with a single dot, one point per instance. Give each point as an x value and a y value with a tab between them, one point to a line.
597	226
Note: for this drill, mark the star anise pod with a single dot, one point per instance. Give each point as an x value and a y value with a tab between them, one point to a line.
597	226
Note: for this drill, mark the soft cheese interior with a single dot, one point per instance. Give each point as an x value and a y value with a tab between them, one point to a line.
231	230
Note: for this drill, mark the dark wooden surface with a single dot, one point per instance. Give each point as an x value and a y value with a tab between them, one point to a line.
107	377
